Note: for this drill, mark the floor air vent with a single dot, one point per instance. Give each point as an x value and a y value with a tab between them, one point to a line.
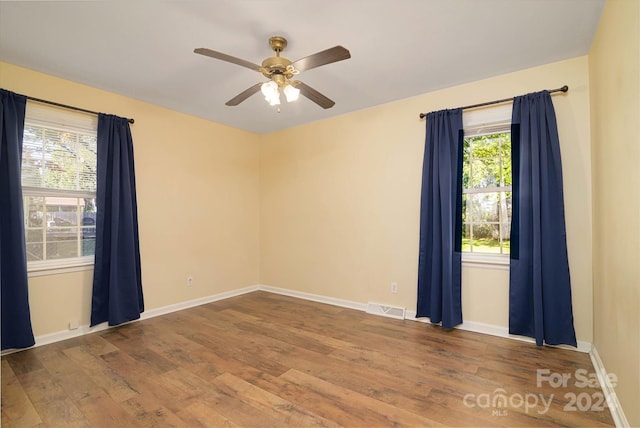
385	311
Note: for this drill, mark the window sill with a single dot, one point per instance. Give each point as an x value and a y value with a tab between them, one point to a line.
57	268
486	261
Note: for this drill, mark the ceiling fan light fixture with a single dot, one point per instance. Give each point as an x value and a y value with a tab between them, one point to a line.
291	92
274	101
269	89
271	92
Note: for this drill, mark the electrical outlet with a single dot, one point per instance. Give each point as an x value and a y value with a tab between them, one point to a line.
394	287
189	281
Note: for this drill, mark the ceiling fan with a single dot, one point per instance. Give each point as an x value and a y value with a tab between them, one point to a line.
280	72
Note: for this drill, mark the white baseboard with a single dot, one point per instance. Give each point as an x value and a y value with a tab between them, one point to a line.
501	331
58	336
477	327
608	390
197	302
316	298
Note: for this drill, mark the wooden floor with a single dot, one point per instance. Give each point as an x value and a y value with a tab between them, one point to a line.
262	360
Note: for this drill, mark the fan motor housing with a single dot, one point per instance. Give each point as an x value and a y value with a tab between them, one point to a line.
275	65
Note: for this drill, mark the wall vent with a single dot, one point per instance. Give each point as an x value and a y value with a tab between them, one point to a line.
385	310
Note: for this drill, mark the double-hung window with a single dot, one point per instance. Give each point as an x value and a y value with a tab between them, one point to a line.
486	182
59	187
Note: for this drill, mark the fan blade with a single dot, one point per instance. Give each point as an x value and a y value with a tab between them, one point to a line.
314	95
228	58
244	95
334	54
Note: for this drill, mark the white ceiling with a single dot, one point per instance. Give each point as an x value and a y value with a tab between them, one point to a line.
399	48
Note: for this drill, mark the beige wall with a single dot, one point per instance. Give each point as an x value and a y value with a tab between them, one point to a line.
614	66
197	184
340	198
329	208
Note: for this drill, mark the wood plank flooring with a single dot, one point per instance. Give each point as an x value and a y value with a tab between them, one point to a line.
263	359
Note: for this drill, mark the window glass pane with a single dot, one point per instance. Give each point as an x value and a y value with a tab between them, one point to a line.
466	170
486	238
35	222
506	162
57	159
34	245
62	242
486	173
484	206
506	242
87	161
34	211
505	146
59	227
465	212
33	157
487	146
466	237
486	214
88	227
505	206
60	162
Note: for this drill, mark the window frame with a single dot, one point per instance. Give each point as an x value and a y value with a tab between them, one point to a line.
61	120
473	122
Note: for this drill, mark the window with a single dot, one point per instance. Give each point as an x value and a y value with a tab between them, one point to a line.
486	193
59	187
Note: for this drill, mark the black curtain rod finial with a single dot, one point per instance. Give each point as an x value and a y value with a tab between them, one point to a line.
564	88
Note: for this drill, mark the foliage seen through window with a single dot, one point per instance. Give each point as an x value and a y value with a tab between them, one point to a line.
486	200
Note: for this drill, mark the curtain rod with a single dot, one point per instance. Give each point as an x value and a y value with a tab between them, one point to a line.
565	88
68	106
